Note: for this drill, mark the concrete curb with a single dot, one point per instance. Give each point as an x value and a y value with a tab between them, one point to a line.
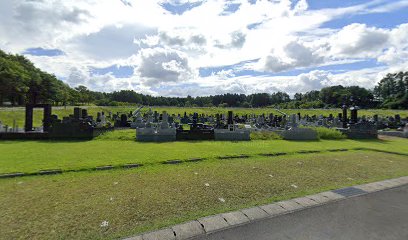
227	220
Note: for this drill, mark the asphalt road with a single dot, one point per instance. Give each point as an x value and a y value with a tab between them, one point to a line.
382	215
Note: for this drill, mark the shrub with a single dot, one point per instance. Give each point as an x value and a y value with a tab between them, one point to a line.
118	135
329	134
265	135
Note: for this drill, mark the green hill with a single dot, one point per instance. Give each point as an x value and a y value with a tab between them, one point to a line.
22	82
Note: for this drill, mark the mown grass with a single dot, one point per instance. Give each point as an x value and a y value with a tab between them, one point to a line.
7	115
73	205
117	135
32	156
265	135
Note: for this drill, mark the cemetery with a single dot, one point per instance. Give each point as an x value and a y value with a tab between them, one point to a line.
140	168
166	119
161	127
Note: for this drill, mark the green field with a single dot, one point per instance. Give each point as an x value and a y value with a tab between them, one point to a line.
73	205
8	115
120	147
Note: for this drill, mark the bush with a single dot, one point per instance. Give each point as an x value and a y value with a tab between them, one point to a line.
223	105
118	135
329	134
265	135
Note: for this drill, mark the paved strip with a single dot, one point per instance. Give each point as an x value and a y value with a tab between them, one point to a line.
305	202
290	205
235	218
163	234
379	215
188	230
221	222
273	209
213	223
255	213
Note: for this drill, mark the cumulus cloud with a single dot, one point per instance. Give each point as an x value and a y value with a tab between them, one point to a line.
158	65
40	22
111	42
359	40
38	13
293	55
166	48
313	80
236	40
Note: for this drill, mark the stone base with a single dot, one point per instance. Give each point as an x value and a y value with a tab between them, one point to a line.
300	134
236	135
135	125
362	130
393	134
150	135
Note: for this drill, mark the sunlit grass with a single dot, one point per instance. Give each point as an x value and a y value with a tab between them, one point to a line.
74	205
32	156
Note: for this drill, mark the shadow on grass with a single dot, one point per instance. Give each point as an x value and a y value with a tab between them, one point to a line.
383	141
11	141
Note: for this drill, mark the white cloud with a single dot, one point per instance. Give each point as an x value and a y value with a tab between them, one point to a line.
293	55
110	43
158	65
168	49
359	40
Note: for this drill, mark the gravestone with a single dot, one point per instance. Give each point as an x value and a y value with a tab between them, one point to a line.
185	119
405	131
336	123
232	132
163	132
362	130
344	116
77	113
299	134
155	117
29	116
138	122
84	113
375	118
354	114
74	127
123	120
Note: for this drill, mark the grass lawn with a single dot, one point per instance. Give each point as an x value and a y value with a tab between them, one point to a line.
120	147
73	205
7	115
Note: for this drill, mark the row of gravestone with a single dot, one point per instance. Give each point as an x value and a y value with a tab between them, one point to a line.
196	131
273	121
288	127
80	125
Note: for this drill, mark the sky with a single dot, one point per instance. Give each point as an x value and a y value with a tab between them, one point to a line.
207	47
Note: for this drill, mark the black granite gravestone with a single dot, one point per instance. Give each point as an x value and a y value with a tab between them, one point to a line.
29	116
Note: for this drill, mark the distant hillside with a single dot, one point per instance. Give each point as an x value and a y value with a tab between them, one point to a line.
22	82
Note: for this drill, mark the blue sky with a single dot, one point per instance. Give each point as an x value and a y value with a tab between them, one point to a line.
203	47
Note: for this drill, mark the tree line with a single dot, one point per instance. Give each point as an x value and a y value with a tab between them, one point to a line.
21	82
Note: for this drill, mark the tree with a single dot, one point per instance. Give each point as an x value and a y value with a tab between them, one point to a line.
298	97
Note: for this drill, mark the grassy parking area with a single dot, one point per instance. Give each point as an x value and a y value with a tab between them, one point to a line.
74	205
